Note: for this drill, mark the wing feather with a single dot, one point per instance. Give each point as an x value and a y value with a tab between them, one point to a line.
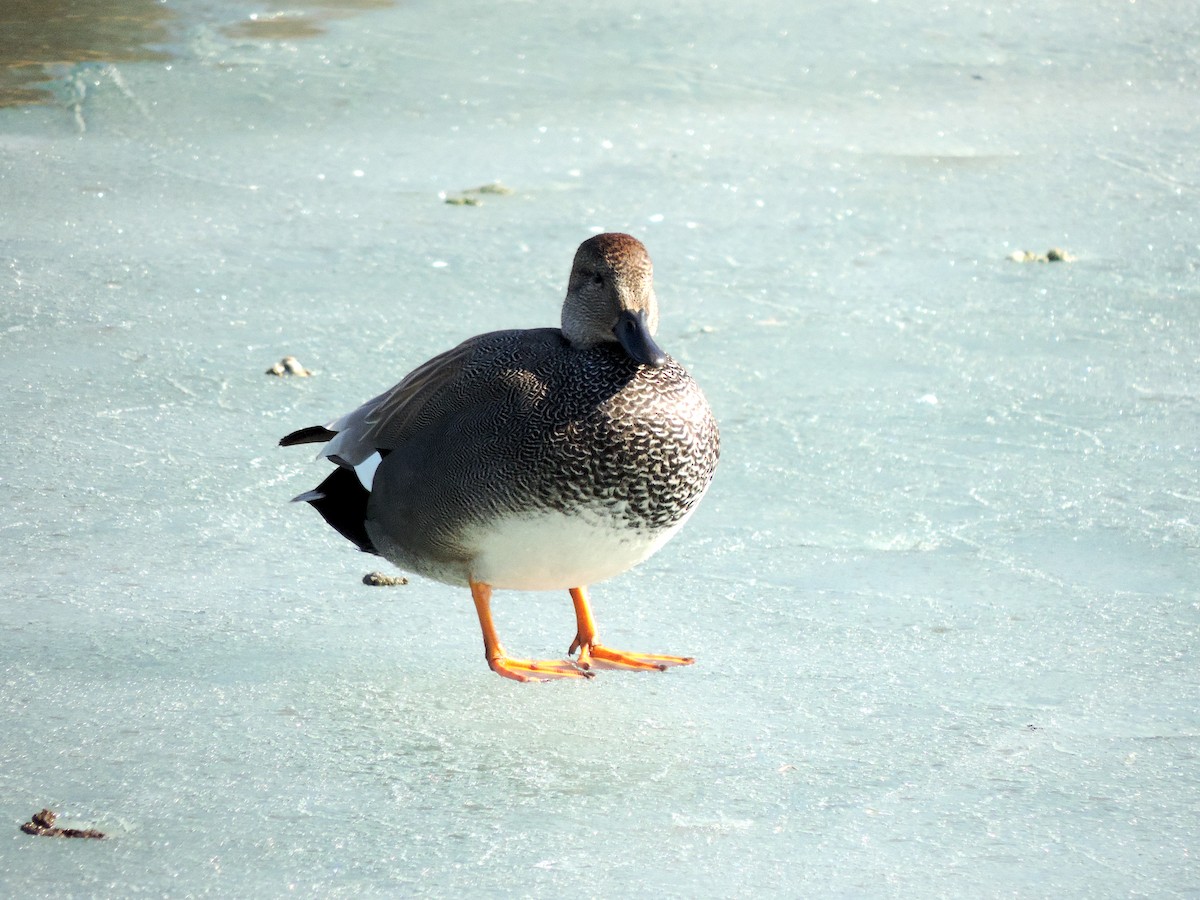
386	421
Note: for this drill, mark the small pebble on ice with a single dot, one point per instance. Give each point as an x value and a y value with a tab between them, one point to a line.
289	365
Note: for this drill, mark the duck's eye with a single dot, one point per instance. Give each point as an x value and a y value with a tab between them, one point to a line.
597	278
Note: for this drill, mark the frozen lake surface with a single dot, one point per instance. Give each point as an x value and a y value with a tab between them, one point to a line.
944	593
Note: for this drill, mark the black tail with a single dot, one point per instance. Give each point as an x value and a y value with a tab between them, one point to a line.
314	434
342	502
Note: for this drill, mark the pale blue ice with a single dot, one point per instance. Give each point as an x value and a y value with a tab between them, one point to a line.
944	593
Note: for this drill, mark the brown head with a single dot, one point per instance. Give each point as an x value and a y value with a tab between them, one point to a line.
610	298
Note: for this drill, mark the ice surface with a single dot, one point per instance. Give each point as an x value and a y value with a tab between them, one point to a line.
943	593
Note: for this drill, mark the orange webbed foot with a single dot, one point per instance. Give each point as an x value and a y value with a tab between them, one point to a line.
593	654
600	657
536	669
508	667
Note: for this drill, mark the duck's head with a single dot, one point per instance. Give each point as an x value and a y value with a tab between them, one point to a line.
610	298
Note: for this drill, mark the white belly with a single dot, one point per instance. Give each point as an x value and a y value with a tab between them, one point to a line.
552	551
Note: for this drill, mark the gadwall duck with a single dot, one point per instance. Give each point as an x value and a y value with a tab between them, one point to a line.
539	459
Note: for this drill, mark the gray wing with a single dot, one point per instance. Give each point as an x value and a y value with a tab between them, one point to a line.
385	421
475	372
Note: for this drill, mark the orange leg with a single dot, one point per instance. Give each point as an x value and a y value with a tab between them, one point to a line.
593	653
501	663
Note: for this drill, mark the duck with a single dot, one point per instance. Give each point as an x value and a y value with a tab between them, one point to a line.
532	459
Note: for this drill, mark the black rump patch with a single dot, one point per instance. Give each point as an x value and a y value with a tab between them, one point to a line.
344	506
